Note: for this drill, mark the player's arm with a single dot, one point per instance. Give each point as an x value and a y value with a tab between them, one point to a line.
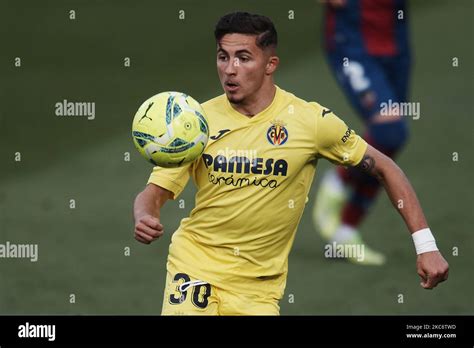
146	211
163	184
431	266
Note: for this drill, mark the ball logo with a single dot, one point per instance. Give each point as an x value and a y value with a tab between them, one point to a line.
277	134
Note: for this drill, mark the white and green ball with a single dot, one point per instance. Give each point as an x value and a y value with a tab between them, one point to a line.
170	129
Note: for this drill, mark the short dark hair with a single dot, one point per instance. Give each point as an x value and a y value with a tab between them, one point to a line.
247	23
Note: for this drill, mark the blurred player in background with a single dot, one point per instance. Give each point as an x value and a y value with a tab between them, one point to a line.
230	256
367	47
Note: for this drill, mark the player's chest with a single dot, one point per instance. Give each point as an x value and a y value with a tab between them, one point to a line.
272	148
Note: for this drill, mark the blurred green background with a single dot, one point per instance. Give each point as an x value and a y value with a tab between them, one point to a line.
81	250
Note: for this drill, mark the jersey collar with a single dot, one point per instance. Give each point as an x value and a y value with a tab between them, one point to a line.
263	115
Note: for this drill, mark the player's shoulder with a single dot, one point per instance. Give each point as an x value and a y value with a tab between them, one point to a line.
214	104
311	108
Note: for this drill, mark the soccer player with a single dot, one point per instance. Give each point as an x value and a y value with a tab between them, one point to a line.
367	47
230	256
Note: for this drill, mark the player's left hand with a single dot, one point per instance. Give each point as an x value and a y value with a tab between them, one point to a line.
432	268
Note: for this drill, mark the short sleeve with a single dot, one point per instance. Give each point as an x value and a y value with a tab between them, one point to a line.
171	179
336	141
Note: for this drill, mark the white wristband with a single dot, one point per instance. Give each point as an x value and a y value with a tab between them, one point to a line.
424	241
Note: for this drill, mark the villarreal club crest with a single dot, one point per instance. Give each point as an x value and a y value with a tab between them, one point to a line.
277	134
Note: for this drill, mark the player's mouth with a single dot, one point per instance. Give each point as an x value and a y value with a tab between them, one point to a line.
231	86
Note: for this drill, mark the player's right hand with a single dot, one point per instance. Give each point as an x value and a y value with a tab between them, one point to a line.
148	229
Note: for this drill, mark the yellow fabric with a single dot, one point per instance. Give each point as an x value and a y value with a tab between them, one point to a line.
252	189
207	299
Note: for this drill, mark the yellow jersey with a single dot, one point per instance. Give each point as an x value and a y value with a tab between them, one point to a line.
252	184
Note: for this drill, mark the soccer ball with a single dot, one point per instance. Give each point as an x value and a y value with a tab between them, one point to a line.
170	129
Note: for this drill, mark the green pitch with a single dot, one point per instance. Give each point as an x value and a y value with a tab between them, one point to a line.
71	189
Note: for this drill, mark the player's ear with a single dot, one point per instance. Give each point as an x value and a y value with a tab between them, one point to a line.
272	64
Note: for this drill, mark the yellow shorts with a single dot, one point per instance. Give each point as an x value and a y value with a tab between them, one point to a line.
185	295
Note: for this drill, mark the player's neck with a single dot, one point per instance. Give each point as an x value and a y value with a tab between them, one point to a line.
260	101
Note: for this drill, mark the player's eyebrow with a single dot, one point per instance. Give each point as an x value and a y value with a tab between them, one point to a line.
243	51
221	50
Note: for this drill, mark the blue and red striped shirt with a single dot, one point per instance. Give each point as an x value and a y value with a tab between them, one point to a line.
377	26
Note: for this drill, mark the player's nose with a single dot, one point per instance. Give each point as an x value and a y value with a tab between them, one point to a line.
231	67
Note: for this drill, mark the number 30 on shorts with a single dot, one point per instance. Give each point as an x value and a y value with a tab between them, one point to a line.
200	293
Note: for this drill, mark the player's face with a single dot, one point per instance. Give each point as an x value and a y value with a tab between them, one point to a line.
242	66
